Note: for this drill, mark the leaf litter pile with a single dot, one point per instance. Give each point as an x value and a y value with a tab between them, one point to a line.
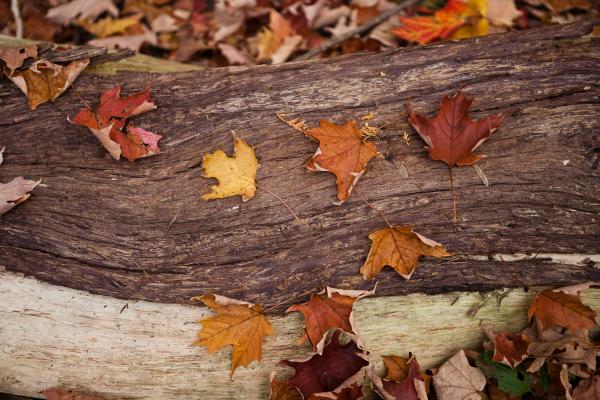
554	358
247	32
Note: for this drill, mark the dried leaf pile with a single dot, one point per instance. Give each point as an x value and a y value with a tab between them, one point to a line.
246	32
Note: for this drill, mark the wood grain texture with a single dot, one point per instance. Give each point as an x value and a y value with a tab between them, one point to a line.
140	230
54	336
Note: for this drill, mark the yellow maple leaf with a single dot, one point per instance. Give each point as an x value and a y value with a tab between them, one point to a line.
400	248
109	26
237	323
476	14
236	175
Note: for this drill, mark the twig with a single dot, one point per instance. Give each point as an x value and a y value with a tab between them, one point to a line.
381	214
453	195
270	192
14	7
392	121
359	30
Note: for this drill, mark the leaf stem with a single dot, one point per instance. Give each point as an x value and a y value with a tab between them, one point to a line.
381	214
453	195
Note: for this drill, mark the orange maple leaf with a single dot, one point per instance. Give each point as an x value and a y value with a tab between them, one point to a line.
237	323
555	307
400	248
343	152
332	308
439	26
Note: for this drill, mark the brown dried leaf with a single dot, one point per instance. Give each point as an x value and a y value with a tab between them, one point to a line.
343	152
14	57
555	307
457	380
400	248
45	81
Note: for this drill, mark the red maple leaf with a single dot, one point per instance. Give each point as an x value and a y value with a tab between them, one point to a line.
328	369
107	123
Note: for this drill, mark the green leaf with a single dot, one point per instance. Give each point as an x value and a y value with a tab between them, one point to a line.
510	380
545	375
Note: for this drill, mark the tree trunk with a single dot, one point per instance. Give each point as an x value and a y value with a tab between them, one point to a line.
141	231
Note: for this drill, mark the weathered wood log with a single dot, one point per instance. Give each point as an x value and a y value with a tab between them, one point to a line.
53	336
140	230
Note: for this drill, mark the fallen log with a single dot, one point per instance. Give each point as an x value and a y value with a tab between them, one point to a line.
140	230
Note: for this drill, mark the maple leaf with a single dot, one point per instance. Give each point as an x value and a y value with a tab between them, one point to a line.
404	380
15	191
56	393
84	9
441	25
236	174
400	248
588	389
451	136
332	308
332	365
280	390
109	26
343	152
108	121
44	81
13	57
237	323
509	348
457	380
555	307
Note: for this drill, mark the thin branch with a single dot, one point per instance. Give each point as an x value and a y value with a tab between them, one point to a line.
453	195
14	7
392	121
381	214
367	26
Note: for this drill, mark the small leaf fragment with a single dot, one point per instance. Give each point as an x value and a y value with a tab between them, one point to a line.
14	192
236	174
14	57
400	248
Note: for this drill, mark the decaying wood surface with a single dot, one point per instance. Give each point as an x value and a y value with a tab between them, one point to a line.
53	336
141	231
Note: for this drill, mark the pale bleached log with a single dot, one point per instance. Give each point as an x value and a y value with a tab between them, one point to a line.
55	336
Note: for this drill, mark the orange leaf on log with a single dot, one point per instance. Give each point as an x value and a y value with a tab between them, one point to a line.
555	307
343	152
451	136
237	323
329	309
404	380
439	26
400	248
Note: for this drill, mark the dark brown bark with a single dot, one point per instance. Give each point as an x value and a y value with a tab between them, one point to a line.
140	230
